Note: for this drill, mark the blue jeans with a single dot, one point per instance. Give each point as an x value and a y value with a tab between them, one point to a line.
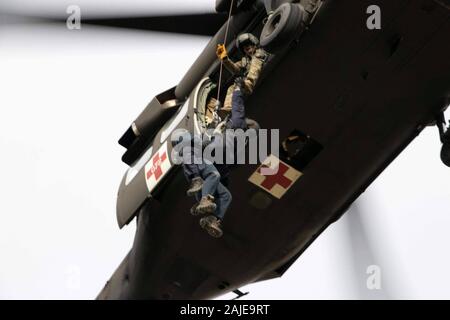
213	186
237	118
190	169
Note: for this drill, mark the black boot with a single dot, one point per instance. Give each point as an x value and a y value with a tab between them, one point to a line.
195	186
213	225
194	209
206	205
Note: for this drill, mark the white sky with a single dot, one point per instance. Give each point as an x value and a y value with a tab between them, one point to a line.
106	7
65	99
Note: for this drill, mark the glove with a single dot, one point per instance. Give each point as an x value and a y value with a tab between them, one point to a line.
239	81
221	52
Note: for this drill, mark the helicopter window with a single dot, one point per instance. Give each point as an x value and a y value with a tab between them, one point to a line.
299	149
205	108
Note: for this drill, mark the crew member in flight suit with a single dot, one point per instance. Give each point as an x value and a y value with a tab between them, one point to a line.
246	71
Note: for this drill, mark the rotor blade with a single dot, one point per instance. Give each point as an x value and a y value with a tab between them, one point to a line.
199	22
205	24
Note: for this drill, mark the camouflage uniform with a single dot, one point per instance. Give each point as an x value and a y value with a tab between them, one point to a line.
249	68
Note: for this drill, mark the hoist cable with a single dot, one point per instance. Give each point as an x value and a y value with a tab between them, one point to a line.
224	43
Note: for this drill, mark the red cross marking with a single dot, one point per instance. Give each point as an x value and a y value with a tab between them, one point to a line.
156	167
278	178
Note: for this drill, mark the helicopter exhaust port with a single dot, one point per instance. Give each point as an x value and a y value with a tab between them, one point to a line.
283	26
147	124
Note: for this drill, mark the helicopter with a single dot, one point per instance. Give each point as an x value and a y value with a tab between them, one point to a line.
357	96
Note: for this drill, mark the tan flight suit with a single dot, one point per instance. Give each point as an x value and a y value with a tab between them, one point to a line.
210	109
250	69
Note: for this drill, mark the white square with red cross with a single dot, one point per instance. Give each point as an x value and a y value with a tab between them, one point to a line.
157	167
275	176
